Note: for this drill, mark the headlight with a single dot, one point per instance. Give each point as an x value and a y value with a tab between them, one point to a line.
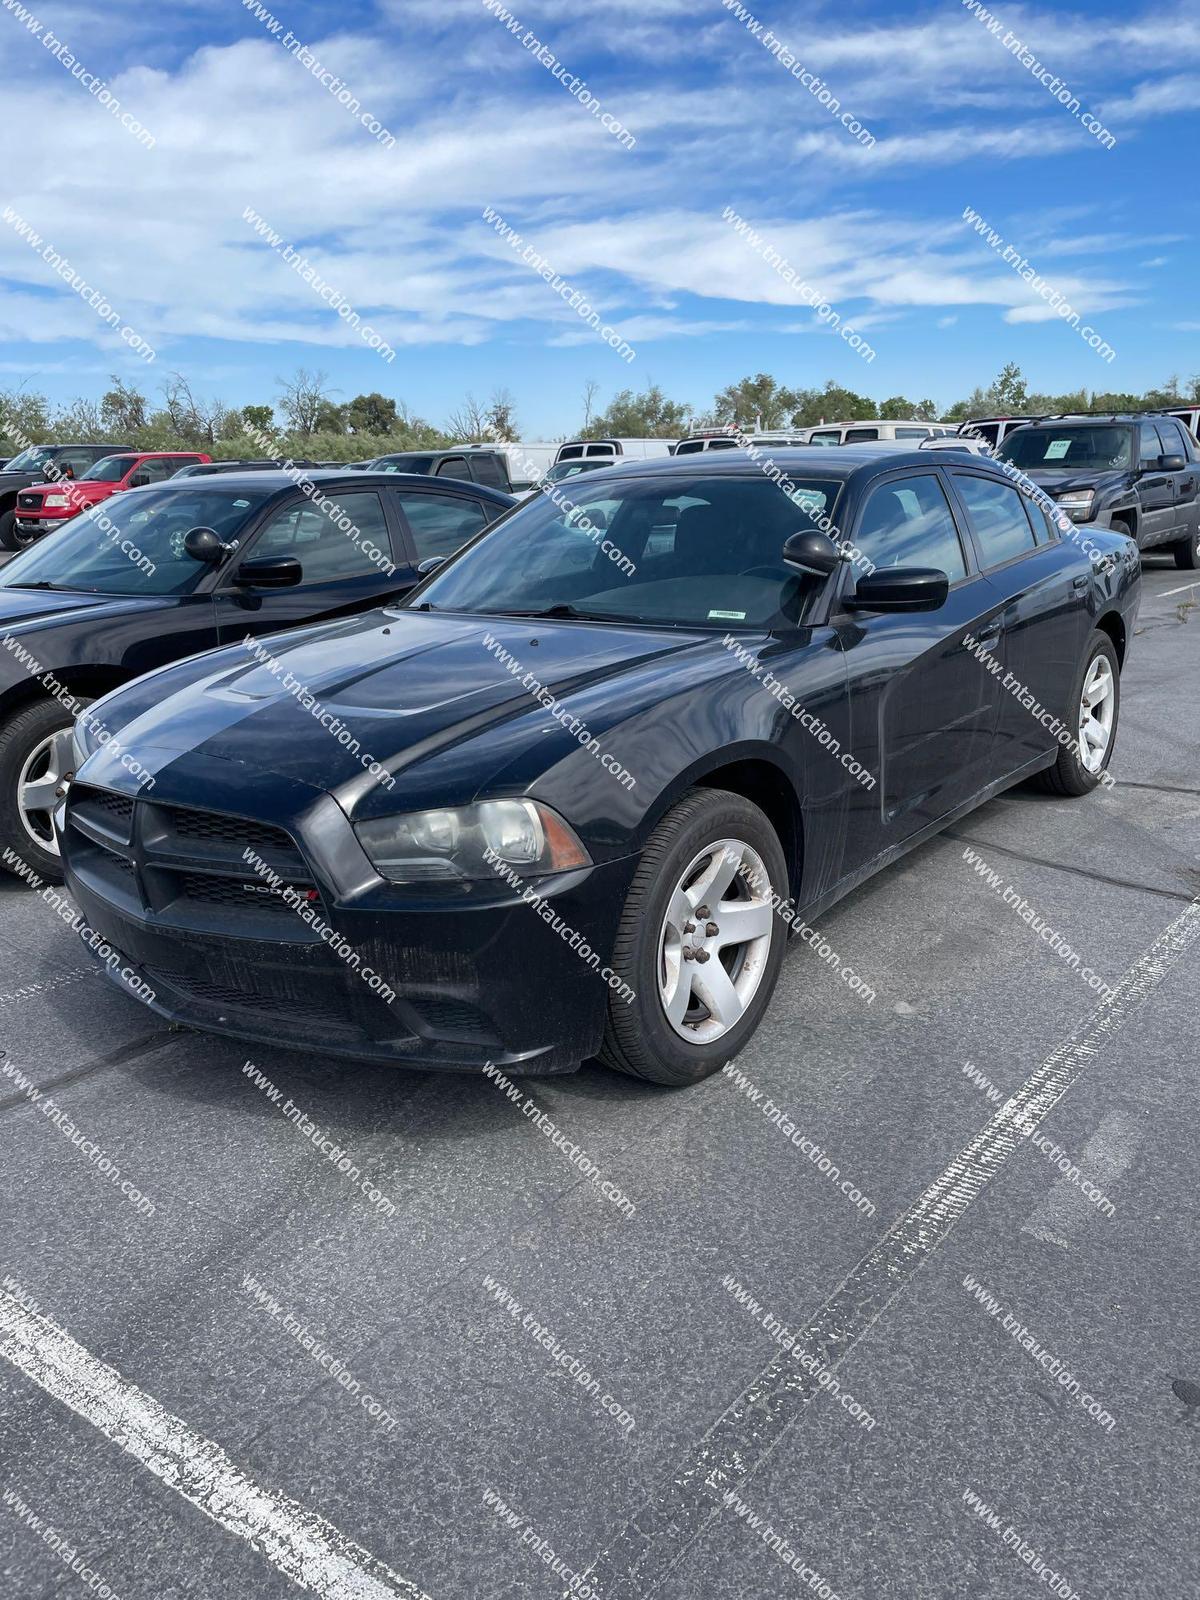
1078	503
471	842
56	500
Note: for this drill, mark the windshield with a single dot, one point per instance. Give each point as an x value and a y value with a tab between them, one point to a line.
110	470
398	464
107	549
1071	449
694	552
31	460
572	469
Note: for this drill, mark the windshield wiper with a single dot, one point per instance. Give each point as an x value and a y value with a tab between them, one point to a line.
572	613
40	584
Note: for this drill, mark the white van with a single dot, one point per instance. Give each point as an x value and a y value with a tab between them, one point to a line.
870	431
527	463
723	439
612	450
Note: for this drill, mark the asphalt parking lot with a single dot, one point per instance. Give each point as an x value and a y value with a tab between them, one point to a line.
479	1457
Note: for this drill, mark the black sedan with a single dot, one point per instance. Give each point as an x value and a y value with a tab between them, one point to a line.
160	573
616	750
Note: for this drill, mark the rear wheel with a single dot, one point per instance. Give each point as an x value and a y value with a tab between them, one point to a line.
699	942
1187	553
1097	699
9	538
35	762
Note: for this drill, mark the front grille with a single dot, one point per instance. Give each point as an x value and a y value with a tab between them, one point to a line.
234	831
276	1008
29	502
185	868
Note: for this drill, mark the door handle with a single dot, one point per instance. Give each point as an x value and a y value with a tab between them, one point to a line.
1079	583
1187	483
989	634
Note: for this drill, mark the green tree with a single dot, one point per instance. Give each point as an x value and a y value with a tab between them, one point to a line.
502	416
754	402
1009	390
23	417
833	403
371	413
260	417
122	408
649	415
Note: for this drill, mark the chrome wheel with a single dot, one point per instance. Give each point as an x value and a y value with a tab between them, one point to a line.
1097	709
45	769
715	941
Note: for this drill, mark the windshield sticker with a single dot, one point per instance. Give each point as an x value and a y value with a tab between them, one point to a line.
727	616
1057	449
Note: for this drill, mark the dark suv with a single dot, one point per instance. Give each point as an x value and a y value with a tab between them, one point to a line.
1136	473
44	463
489	467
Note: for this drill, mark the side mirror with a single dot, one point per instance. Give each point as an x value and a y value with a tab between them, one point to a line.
812	552
1171	463
205	544
67	472
269	572
430	564
900	589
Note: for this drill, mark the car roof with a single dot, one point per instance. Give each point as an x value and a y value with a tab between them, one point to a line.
276	480
799	460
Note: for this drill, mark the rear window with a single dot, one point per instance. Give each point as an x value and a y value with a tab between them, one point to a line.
487	469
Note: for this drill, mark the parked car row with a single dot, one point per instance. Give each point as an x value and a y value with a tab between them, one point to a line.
664	841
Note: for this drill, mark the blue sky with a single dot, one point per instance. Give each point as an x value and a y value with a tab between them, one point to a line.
718	122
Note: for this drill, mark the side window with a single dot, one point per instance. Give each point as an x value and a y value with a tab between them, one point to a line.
440	523
860	435
907	522
829	436
997	516
914	433
76	461
453	467
345	539
602	450
487	470
151	471
1171	435
1149	445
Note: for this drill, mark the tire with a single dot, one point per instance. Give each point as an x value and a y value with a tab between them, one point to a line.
1187	553
1071	775
8	531
30	837
640	1039
1119	525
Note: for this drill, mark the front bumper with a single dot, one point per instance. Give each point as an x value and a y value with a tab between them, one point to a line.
477	979
35	526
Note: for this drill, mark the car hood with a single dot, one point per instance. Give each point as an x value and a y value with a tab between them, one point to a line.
1060	480
77	493
25	611
398	688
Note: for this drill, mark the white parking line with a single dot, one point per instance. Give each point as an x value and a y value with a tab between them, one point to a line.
1180	590
661	1529
302	1545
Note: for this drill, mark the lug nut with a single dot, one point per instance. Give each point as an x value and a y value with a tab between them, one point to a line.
701	955
712	930
688	953
703	911
689	927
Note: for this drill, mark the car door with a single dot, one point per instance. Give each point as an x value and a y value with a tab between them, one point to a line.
924	705
1042	580
1186	481
1155	490
348	560
439	520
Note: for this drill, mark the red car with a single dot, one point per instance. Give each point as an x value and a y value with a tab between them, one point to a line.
46	506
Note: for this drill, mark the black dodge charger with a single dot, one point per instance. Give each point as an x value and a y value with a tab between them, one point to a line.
598	762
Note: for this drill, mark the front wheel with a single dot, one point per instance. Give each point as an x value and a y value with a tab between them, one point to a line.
699	943
1187	553
35	762
1097	698
9	537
